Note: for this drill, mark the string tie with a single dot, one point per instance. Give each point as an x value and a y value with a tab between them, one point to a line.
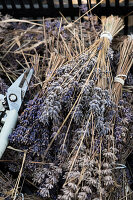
107	35
120	80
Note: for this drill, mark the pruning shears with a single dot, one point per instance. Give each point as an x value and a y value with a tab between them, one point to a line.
10	105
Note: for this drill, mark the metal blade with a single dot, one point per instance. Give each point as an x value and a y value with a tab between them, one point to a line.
16	92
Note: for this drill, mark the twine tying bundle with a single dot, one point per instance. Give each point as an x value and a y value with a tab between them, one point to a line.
106	34
120	80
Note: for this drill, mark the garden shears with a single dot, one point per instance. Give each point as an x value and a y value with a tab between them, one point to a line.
10	105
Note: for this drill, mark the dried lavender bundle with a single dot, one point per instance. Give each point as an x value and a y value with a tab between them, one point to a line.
103	81
100	58
125	63
70	101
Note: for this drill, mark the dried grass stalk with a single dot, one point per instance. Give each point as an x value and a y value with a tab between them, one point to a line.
125	63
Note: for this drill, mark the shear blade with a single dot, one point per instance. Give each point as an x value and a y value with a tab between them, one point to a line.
16	92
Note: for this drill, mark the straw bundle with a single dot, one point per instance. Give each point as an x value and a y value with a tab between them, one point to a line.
125	63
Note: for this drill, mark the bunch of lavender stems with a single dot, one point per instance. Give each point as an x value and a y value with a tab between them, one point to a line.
125	63
101	62
112	25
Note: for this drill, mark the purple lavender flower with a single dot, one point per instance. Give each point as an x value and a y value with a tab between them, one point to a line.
83	8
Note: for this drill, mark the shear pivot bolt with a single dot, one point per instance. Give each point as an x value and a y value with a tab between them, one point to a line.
13	97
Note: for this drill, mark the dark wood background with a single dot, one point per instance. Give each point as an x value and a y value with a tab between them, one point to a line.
69	8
